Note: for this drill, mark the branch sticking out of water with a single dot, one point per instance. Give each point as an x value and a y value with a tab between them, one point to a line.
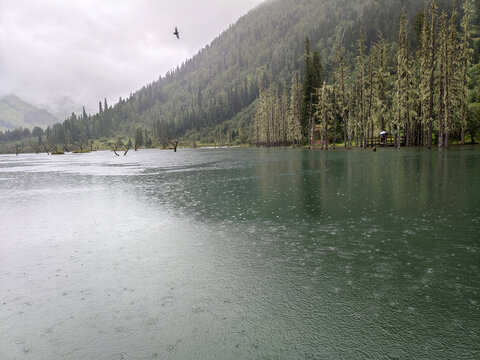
174	143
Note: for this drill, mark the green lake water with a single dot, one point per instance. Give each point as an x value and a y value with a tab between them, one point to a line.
241	254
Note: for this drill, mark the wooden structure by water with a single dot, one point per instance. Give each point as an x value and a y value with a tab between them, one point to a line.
376	141
388	140
385	139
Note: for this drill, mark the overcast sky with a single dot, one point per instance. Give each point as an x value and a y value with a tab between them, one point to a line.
91	49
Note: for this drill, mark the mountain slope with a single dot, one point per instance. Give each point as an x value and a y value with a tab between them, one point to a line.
15	113
212	93
224	78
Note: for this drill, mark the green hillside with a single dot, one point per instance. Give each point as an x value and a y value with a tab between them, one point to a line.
223	79
212	96
16	113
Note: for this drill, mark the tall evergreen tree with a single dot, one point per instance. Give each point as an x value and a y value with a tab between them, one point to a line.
466	53
442	67
423	70
361	87
138	137
451	78
340	90
431	52
324	113
295	111
307	87
283	118
381	94
312	81
403	78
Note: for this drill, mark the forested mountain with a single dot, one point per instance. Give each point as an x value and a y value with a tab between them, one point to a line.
224	78
15	113
212	96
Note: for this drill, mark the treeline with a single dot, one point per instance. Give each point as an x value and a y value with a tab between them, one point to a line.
422	95
225	92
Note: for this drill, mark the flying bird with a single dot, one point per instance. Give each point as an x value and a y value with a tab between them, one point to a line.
176	33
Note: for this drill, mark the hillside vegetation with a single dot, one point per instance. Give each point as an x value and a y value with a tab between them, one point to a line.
16	113
213	97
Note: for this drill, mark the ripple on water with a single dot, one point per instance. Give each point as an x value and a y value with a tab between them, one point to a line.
221	254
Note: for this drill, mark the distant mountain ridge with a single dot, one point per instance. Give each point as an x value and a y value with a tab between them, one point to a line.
15	113
212	94
211	97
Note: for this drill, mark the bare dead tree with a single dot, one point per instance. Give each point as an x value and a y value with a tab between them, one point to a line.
115	149
126	150
54	148
46	149
174	143
81	143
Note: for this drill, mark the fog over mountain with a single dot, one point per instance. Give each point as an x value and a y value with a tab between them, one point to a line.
16	113
76	53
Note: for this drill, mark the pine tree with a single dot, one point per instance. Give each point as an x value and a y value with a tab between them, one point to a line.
307	87
268	119
466	52
431	66
402	83
258	119
340	91
295	111
324	112
313	80
381	95
351	111
283	117
138	137
452	82
317	71
423	62
372	85
361	87
442	69
271	113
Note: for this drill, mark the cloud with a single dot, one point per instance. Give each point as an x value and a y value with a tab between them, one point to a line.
88	50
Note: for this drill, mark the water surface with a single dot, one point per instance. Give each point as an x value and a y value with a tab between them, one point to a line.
240	254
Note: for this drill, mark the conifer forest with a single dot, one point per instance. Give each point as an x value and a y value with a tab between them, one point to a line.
323	73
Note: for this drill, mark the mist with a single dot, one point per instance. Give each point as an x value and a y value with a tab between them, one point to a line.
64	55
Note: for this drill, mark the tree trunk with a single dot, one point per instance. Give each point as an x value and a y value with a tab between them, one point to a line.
432	74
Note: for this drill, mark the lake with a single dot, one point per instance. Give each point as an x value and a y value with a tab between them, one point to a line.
241	254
